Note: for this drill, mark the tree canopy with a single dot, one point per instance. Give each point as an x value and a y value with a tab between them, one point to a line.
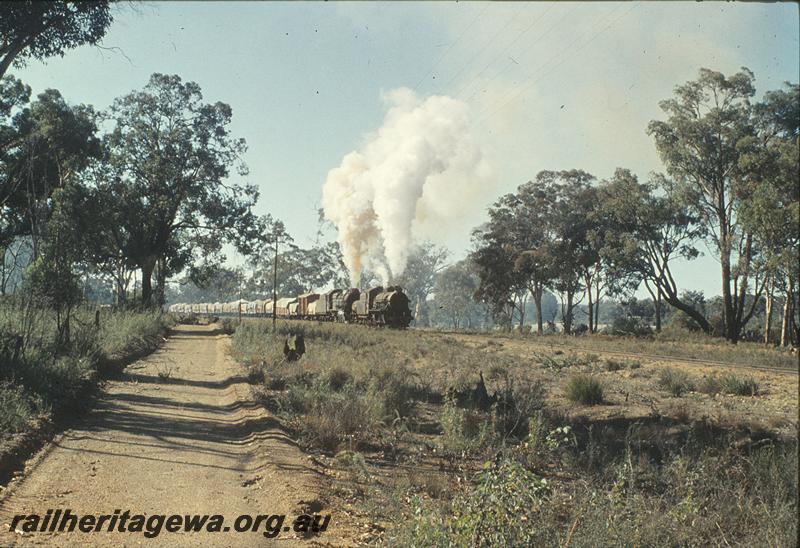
30	29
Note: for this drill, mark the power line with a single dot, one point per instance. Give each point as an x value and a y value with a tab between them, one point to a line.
503	52
453	43
563	59
482	48
539	38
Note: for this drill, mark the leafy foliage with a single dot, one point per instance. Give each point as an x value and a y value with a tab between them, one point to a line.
37	30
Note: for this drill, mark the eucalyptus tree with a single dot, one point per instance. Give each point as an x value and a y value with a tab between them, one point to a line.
170	156
37	30
425	261
569	250
454	291
44	145
770	198
651	230
503	286
701	143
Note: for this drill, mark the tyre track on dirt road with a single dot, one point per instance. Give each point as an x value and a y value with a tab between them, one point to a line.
178	433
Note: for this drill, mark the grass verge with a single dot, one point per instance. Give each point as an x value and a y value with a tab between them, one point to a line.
41	380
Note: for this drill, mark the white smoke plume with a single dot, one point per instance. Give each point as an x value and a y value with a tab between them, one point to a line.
419	171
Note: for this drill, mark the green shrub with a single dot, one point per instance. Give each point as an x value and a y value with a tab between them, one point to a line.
613	364
336	378
710	385
125	334
627	326
463	430
559	360
17	407
584	389
675	381
334	418
740	386
500	510
389	386
49	372
516	403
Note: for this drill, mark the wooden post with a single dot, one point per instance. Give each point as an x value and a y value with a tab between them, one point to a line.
275	284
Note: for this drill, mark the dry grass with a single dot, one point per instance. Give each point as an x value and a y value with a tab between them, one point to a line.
584	389
421	454
46	375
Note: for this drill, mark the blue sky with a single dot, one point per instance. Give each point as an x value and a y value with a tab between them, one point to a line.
549	86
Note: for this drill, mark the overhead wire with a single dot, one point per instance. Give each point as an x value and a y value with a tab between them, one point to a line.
541	73
482	48
538	39
505	49
453	43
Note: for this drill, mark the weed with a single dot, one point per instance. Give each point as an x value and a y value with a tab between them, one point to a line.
584	389
675	381
354	462
740	386
613	364
464	430
710	385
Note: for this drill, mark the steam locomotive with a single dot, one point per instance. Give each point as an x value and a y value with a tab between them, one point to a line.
380	306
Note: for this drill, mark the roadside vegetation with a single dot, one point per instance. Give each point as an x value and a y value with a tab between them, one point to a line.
41	373
433	442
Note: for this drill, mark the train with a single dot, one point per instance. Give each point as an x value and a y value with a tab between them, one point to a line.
381	306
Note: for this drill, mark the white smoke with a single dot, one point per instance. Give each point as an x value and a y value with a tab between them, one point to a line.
418	172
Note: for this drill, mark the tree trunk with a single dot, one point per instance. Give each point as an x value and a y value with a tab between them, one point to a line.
768	311
591	306
161	280
147	288
568	316
658	310
787	313
596	304
727	299
537	300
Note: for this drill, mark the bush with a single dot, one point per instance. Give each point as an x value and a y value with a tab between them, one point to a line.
48	372
584	389
682	321
501	510
389	386
740	386
17	407
346	416
612	364
630	326
515	405
675	381
336	378
710	385
463	430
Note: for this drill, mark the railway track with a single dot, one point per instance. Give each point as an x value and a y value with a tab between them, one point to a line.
637	355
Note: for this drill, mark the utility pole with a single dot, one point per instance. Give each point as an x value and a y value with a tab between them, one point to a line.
275	279
239	304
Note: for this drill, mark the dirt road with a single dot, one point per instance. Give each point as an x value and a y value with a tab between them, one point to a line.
177	434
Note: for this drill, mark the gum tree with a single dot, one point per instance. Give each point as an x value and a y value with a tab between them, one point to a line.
37	30
171	155
708	120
